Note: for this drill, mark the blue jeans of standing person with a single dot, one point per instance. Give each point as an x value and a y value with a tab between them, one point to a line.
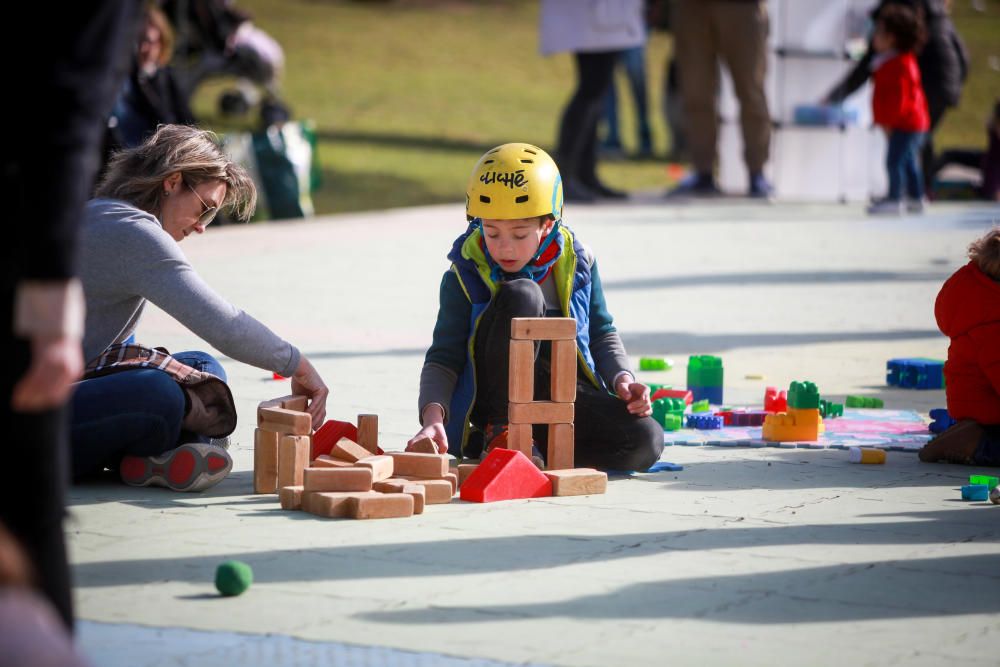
634	62
988	451
902	160
131	413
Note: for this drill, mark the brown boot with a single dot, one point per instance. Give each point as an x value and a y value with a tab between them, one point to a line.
956	445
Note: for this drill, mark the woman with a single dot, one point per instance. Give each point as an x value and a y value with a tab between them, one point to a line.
151	423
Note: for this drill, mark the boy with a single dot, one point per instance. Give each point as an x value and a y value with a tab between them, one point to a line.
517	259
968	312
899	106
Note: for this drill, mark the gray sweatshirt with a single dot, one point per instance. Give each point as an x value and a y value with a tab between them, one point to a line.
126	258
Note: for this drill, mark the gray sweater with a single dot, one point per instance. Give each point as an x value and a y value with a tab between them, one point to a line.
126	258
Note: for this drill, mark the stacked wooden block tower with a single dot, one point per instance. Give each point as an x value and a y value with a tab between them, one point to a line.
330	475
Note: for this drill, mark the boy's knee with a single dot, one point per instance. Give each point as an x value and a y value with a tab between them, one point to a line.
646	440
202	361
521	298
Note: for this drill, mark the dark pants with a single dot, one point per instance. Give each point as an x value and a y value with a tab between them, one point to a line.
131	413
607	435
32	499
988	451
901	162
577	151
935	110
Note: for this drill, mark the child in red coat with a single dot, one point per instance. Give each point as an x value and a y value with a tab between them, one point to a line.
899	106
968	312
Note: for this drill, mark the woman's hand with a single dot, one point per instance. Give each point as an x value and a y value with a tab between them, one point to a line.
307	382
635	394
433	419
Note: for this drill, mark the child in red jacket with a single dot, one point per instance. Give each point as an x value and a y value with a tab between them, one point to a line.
968	312
899	106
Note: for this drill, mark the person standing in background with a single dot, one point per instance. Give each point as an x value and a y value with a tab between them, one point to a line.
596	33
49	167
734	31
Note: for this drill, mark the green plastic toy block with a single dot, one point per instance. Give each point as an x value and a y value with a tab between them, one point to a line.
700	406
988	480
704	371
803	396
673	422
662	407
829	410
864	402
654	364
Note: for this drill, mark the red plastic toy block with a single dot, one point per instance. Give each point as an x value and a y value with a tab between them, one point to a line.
328	434
275	376
505	474
775	401
727	417
673	393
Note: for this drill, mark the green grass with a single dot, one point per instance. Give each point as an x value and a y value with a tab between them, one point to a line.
407	94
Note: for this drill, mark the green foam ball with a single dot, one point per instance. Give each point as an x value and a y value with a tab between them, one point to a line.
232	577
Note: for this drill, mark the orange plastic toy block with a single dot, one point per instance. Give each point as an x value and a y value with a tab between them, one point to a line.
796	424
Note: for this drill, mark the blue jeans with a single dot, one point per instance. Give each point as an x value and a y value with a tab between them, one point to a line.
902	160
131	413
634	62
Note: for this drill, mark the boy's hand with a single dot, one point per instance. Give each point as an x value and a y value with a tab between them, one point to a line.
433	431
636	394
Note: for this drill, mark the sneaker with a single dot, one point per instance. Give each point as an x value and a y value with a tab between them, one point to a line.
760	187
695	185
496	437
885	207
194	466
916	205
221	442
603	191
955	445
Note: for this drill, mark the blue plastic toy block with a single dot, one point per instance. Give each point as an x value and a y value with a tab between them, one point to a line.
704	422
975	492
916	373
712	394
942	420
664	465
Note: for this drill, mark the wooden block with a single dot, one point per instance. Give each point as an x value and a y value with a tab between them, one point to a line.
521	375
423	446
272	403
332	505
324	461
337	479
291	497
562	447
505	474
543	328
293	457
348	450
381	466
382	506
464	470
519	438
577	482
438	490
327	435
433	466
368	432
265	461
285	421
453	480
296	403
418	492
563	371
540	412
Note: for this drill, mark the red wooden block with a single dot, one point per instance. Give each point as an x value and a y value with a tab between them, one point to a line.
329	433
505	474
775	401
673	393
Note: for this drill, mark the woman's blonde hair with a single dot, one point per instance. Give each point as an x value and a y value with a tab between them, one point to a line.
136	175
152	15
985	252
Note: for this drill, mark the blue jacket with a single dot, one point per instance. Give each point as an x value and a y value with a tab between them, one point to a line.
466	291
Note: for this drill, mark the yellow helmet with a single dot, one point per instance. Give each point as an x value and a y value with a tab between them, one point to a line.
514	181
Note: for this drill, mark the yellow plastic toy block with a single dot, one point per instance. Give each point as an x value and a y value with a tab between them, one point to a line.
796	424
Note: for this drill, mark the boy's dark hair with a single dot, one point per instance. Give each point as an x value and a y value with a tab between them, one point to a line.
905	26
985	252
